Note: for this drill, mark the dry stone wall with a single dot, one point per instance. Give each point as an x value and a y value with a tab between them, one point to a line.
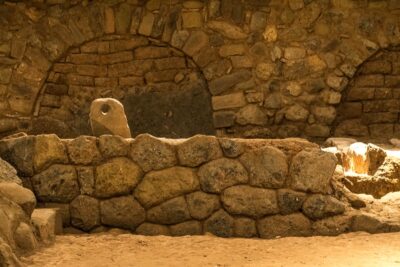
227	187
271	68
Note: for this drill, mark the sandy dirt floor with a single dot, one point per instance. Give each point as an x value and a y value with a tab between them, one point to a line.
101	250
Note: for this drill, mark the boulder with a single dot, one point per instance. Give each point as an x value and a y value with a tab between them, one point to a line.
85	213
186	228
48	150
152	153
231	148
290	201
320	206
245	227
58	183
201	205
295	224
83	150
170	212
250	201
20	195
86	179
267	167
220	224
113	146
8	173
219	174
333	226
312	170
198	149
19	153
116	177
107	116
152	229
122	212
159	186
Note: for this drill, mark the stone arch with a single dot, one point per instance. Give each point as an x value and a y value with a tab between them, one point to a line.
163	90
370	106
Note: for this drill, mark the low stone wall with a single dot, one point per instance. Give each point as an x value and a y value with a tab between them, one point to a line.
227	187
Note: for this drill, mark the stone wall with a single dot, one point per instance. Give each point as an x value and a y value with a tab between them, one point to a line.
228	187
273	68
371	106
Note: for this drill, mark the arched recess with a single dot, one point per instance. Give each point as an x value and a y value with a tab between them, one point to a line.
163	90
370	106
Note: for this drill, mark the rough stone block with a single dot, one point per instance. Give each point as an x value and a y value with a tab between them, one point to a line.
172	211
290	201
186	228
288	225
197	150
85	213
223	119
48	150
46	223
235	100
220	224
201	205
83	150
371	80
320	206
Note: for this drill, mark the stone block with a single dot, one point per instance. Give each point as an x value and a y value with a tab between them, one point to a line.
230	101
83	59
245	227
125	44
47	224
48	150
19	195
319	206
284	225
109	20
312	170
116	177
152	52
19	152
151	153
222	119
192	19
113	146
123	18
381	130
131	81
258	21
170	63
198	150
290	201
196	42
226	82
172	211
58	183
64	67
250	201
186	228
151	229
220	224
146	25
251	114
376	67
227	29
137	67
371	80
122	212
317	130
74	79
160	76
56	89
267	166
222	173
294	53
83	150
360	93
231	50
113	58
392	81
159	186
201	205
352	127
379	117
105	82
85	213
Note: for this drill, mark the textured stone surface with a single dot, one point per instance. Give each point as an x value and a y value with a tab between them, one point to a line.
267	167
245	227
250	201
122	212
320	206
198	149
295	224
170	212
59	183
8	173
48	150
162	155
220	224
219	174
201	205
83	150
158	186
85	213
290	201
116	177
20	195
312	171
186	228
152	229
113	146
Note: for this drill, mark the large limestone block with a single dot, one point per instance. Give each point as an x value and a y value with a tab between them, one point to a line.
83	150
319	206
219	174
158	186
107	116
250	201
312	170
59	183
116	177
85	212
295	224
170	212
48	150
8	173
113	146
122	212
198	149
267	167
152	153
20	195
220	224
202	205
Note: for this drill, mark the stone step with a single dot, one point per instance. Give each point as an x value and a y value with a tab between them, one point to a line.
48	223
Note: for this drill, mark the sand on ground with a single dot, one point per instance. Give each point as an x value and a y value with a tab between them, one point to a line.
106	250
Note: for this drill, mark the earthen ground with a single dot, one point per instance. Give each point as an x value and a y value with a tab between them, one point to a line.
103	250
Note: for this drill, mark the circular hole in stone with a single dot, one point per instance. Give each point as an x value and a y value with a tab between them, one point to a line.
105	108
